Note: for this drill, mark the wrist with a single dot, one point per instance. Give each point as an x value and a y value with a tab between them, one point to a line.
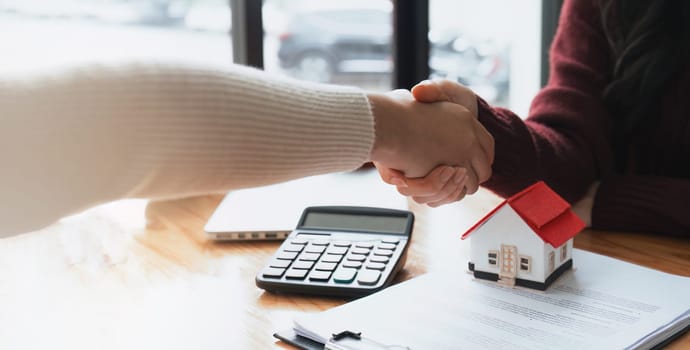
389	127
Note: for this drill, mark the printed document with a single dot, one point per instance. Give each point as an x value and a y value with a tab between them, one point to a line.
602	303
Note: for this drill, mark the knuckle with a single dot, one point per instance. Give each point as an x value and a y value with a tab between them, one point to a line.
445	83
437	186
419	200
445	201
485	175
473	190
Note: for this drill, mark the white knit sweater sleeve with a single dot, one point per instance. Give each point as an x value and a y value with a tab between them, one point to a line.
82	137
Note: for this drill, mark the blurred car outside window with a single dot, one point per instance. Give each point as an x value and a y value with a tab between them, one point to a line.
492	46
349	42
330	41
342	42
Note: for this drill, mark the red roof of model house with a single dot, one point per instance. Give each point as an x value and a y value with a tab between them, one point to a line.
544	211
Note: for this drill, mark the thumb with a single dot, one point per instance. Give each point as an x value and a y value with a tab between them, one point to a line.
429	91
446	90
391	176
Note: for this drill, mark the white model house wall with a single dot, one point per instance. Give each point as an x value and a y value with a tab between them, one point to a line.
507	227
559	258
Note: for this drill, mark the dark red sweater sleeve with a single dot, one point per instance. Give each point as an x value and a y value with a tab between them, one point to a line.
565	141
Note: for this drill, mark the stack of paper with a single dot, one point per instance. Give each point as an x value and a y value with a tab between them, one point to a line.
602	303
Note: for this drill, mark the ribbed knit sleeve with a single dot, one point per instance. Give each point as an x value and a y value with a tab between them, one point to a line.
81	137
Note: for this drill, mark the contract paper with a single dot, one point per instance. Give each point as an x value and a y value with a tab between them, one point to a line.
602	303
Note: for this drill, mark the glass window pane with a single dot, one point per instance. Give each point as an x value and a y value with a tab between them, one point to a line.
40	33
482	43
330	41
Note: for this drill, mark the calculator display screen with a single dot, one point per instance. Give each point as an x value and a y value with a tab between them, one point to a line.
356	222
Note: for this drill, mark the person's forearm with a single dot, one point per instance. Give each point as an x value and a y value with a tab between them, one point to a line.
561	149
73	140
391	124
85	137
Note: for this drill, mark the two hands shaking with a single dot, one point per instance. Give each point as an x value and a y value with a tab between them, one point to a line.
429	143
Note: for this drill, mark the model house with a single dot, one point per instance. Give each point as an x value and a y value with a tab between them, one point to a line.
526	241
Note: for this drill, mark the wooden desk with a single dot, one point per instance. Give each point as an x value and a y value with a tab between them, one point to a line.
132	275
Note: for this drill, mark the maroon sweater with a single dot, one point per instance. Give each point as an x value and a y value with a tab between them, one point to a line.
567	138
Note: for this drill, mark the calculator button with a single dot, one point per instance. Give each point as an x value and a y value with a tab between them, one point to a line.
352	264
294	274
344	275
379	259
364	245
342	243
287	255
368	277
326	266
309	256
293	248
356	257
320	276
300	241
331	258
320	242
390	240
272	272
375	266
280	263
386	246
363	251
302	265
383	252
336	250
315	249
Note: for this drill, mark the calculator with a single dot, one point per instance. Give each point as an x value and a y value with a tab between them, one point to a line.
340	251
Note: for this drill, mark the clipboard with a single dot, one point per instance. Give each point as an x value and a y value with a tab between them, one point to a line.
345	340
289	336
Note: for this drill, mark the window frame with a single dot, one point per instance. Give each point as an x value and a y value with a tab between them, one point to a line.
247	32
495	258
564	252
410	42
528	269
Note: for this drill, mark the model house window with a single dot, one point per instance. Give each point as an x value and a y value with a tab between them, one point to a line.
552	261
564	252
525	263
493	257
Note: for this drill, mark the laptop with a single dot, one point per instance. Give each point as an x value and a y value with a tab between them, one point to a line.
271	212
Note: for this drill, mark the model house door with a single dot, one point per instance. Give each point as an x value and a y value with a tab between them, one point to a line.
508	262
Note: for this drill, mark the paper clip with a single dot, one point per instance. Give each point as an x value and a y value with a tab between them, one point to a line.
349	340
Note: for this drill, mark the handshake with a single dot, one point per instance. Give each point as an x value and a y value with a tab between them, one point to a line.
429	143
